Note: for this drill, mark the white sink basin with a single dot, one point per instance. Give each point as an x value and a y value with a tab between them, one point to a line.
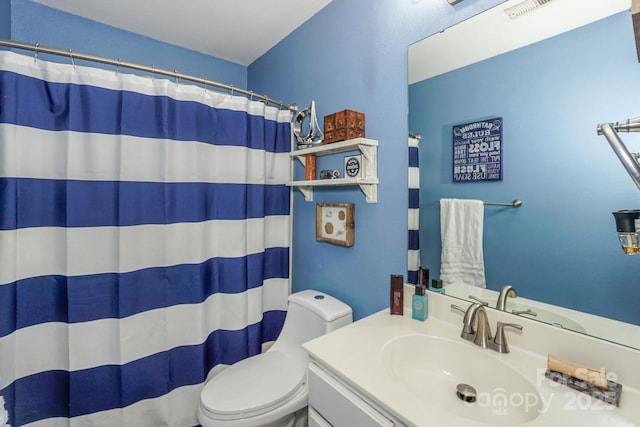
431	367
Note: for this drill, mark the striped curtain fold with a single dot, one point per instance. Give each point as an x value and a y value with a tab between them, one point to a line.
144	240
413	256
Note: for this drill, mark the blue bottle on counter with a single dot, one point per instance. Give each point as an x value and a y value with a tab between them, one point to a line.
419	304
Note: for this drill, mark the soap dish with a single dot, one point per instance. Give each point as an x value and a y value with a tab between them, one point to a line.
610	396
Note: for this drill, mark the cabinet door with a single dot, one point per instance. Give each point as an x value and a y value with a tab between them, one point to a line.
340	406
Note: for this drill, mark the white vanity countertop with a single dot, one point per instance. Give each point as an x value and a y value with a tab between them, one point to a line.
354	354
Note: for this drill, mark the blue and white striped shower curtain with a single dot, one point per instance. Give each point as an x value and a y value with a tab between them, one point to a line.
144	239
413	251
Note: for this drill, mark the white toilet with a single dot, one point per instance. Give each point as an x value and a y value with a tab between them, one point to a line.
271	389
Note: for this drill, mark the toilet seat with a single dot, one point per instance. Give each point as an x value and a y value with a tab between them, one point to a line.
253	386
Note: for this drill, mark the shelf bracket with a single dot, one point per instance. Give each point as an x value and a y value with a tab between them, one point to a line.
370	191
368	152
307	192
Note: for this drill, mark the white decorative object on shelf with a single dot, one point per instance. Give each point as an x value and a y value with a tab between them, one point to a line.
368	182
314	135
353	167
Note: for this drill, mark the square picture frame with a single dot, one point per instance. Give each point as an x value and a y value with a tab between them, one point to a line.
335	223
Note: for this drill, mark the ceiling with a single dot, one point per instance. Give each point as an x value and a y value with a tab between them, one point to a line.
546	21
239	31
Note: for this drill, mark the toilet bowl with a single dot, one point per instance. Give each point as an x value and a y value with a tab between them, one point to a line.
271	389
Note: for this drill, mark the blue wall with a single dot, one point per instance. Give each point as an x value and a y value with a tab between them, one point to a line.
34	23
353	54
561	245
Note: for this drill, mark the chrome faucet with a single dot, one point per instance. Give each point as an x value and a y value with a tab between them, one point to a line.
476	328
475	325
506	291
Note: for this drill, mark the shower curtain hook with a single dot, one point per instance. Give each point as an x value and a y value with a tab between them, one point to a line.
251	97
205	85
153	72
175	74
118	66
35	56
73	62
231	89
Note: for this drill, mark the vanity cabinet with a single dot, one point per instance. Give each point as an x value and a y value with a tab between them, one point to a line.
368	183
386	370
332	403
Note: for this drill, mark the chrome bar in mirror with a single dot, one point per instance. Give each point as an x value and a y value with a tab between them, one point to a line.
628	160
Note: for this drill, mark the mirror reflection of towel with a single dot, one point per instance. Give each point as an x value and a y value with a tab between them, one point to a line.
461	228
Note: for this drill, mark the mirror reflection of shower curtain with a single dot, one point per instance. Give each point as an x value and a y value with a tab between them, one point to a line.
144	233
413	256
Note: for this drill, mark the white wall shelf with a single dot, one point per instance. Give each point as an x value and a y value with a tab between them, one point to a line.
368	183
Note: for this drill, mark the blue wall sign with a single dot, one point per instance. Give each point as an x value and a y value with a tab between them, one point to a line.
477	151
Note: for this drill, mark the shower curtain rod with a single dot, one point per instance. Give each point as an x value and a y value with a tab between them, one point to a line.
153	70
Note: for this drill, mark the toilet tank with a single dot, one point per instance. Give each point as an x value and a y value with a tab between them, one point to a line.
311	314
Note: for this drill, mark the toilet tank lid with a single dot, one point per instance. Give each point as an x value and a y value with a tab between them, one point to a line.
326	306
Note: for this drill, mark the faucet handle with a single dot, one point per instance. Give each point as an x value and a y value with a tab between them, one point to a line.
468	332
527	312
475	298
499	343
460	309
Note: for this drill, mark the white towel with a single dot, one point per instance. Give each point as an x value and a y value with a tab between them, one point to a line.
461	228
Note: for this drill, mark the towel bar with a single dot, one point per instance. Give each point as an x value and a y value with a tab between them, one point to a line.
515	204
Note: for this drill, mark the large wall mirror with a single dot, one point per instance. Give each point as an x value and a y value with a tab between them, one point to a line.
552	74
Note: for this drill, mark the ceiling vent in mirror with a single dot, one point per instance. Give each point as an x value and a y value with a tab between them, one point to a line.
524	7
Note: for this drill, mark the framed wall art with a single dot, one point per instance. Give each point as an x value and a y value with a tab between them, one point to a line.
335	223
477	151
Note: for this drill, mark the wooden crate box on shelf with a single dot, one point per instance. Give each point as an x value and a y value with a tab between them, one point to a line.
343	125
